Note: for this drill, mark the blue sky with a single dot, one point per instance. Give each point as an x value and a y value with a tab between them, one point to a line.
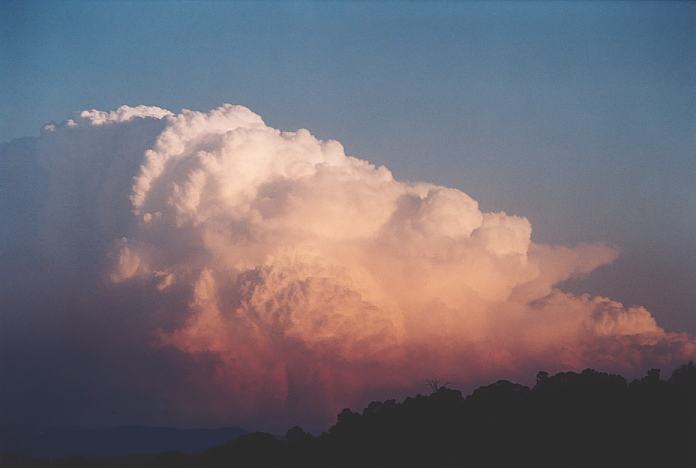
580	116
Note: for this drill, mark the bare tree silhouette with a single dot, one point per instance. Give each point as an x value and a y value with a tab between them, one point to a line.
436	384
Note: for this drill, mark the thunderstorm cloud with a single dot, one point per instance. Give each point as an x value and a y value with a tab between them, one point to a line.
206	268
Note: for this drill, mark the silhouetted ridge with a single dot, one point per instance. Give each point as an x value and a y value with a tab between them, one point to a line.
566	420
125	440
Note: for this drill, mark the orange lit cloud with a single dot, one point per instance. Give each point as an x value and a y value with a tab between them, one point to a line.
316	279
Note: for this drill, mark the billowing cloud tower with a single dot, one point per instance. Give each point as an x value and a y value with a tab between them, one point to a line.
283	279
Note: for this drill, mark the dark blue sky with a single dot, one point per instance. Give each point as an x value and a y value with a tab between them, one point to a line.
580	116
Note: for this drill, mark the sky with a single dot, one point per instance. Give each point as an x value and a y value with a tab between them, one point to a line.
580	117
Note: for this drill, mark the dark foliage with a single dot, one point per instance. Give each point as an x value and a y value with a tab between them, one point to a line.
567	420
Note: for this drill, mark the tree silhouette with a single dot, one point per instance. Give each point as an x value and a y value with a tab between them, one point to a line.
568	419
435	384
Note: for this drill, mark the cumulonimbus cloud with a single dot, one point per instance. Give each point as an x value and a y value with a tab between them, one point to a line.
315	279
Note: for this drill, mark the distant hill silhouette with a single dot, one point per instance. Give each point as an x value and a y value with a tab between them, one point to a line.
126	440
587	419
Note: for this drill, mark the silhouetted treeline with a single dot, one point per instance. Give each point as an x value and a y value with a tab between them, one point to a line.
587	419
